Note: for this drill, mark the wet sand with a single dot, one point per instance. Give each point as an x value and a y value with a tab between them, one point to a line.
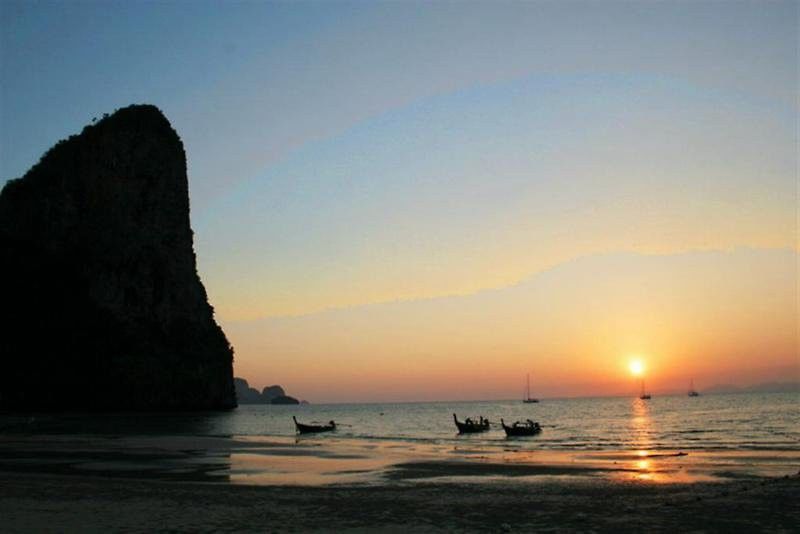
48	503
63	483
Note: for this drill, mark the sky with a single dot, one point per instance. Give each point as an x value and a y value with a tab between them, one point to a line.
402	201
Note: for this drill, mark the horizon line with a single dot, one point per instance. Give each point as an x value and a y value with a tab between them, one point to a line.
670	393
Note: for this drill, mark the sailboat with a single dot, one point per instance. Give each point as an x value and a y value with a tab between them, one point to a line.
528	399
643	395
692	392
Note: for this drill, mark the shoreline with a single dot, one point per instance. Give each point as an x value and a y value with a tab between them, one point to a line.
48	502
331	461
190	483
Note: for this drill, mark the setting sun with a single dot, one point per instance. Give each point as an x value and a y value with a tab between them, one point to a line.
525	248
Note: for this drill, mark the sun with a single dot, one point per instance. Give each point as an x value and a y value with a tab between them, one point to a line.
636	367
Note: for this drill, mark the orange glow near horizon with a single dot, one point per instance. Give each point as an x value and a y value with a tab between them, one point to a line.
587	328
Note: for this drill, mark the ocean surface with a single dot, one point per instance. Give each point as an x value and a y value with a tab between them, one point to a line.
718	422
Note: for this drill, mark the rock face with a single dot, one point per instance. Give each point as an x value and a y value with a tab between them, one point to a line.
284	399
102	305
245	394
269	395
272	392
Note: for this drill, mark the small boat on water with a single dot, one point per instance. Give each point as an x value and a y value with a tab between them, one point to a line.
468	426
528	399
521	428
313	429
643	395
692	392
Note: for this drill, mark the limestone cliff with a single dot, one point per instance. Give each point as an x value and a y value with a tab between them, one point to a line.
102	307
269	395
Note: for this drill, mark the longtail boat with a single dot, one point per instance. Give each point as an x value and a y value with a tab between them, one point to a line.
313	429
471	427
521	428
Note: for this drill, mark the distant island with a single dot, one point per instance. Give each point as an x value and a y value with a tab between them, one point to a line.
269	395
103	308
766	387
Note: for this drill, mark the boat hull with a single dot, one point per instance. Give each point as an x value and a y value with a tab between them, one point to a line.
470	428
521	430
313	429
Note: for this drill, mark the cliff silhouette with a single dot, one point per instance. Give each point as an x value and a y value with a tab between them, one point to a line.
103	308
269	395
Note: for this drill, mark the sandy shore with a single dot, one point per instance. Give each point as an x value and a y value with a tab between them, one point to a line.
145	483
57	503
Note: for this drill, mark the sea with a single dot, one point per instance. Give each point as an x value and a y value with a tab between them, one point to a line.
713	422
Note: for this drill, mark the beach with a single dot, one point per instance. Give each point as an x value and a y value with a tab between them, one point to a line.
719	463
58	503
395	266
190	483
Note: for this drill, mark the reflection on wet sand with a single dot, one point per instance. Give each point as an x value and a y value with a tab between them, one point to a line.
337	461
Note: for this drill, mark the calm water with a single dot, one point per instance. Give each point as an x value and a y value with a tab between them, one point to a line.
710	422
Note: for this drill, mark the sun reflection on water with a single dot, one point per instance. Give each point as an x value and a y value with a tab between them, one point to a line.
641	427
641	431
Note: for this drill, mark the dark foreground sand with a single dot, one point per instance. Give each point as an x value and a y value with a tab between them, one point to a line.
188	483
58	503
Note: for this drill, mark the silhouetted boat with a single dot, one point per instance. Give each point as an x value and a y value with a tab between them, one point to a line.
313	429
643	395
521	428
692	391
528	399
471	427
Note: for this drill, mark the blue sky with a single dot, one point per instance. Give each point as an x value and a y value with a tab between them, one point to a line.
245	83
343	154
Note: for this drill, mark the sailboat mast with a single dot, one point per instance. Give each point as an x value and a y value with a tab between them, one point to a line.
528	386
